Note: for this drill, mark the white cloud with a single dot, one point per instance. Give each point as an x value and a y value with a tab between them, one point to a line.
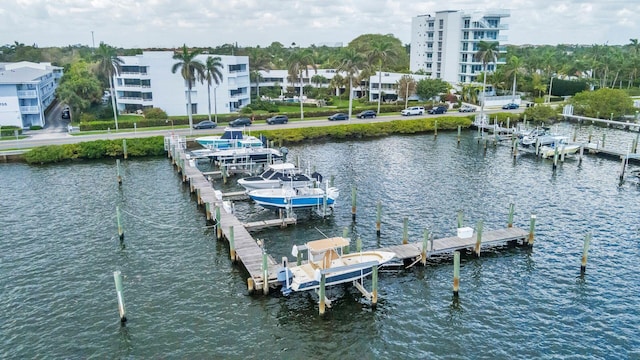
168	23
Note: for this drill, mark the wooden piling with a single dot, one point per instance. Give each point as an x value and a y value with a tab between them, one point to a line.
581	153
265	273
604	136
251	286
124	148
555	158
624	166
435	130
232	245
405	231
117	278
374	286
512	207
459	130
585	251
331	179
478	238
218	224
223	171
321	293
456	273
537	147
353	202
207	210
514	147
532	226
590	133
358	244
460	218
118	172
345	234
423	252
562	152
575	134
635	143
119	220
378	217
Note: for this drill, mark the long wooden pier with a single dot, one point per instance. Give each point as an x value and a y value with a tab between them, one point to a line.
243	247
454	243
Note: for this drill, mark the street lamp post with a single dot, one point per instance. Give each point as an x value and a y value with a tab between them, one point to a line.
550	86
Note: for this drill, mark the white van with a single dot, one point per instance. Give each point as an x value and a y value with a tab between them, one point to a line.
414	110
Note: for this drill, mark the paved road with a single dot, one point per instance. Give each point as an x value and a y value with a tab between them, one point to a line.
55	133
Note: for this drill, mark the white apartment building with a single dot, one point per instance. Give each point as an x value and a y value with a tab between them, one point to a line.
146	81
443	45
389	85
280	78
26	91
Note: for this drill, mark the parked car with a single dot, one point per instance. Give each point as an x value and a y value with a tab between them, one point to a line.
205	124
338	116
438	110
414	110
278	119
243	121
510	106
467	108
367	114
66	114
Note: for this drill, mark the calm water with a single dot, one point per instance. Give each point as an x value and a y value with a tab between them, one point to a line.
59	248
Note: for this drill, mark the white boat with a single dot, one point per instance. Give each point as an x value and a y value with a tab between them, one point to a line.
562	144
538	135
326	257
246	155
277	175
231	138
287	197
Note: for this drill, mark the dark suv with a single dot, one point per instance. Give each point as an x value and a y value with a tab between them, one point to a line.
367	114
438	110
278	119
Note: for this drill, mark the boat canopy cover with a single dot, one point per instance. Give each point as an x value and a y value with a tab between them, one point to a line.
230	133
319	246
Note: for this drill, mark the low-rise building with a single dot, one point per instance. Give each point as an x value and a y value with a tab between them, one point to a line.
26	91
146	81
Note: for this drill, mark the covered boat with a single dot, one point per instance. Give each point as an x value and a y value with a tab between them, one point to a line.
288	197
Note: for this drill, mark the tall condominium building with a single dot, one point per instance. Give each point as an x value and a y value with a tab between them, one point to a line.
146	81
443	45
26	91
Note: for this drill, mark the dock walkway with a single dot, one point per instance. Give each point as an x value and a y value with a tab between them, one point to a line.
451	244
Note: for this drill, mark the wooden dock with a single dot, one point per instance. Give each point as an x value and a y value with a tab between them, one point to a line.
451	244
243	247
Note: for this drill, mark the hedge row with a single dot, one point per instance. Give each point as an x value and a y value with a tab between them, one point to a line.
9	131
136	147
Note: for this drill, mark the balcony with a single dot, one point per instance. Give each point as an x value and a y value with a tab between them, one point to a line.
30	109
27	94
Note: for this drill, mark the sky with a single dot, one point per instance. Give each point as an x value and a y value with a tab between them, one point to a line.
171	23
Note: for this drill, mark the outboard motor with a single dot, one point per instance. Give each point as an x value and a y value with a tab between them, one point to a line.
284	151
316	175
285	276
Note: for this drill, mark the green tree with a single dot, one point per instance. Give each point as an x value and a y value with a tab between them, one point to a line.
258	61
297	64
79	88
398	59
351	62
212	74
487	53
602	101
190	69
109	65
429	88
381	51
336	83
513	67
405	87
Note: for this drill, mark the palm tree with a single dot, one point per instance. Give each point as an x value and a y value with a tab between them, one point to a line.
381	52
258	61
351	63
212	73
318	80
513	67
297	63
336	83
487	53
405	87
190	69
108	66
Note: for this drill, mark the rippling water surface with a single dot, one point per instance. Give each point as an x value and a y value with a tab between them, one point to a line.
59	248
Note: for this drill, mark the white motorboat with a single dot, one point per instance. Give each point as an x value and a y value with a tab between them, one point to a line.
325	257
561	144
287	197
277	175
539	135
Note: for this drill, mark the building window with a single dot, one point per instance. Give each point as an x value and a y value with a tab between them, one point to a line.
466	23
441	24
194	108
465	35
